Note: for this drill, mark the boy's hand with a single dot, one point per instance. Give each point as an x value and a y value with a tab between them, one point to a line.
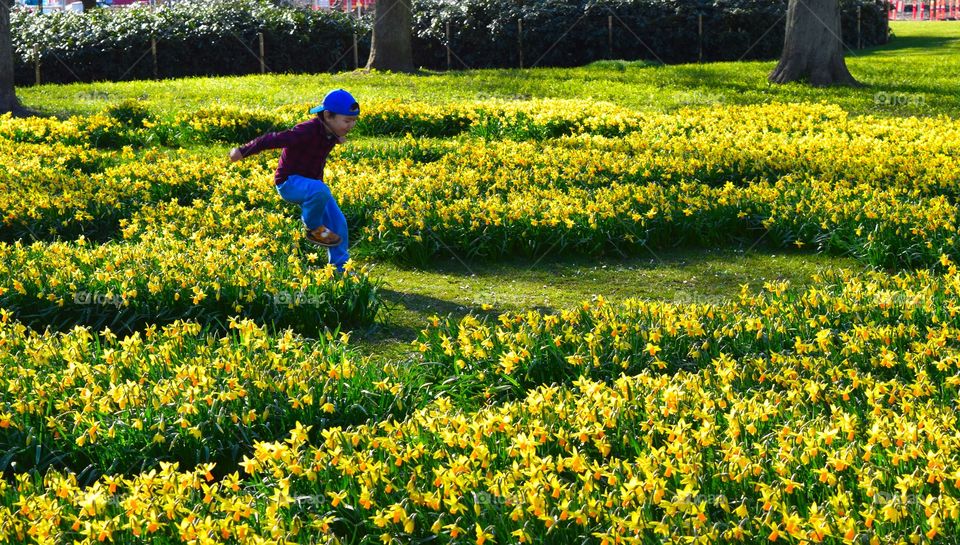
235	155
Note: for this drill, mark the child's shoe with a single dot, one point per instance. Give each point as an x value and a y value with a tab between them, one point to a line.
321	236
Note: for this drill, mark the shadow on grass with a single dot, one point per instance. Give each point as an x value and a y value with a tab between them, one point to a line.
641	258
453	288
427	305
909	42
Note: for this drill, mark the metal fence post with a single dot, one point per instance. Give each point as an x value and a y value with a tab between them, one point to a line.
699	37
153	50
520	41
610	35
263	63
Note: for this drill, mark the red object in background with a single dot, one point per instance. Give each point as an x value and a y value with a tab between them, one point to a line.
342	5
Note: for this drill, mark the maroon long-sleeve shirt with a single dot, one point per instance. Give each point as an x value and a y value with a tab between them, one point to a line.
305	149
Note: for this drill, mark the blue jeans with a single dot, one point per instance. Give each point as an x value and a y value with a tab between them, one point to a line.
318	208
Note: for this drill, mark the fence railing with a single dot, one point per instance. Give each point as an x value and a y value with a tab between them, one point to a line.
930	10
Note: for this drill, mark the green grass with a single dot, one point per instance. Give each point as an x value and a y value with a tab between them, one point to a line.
455	288
916	71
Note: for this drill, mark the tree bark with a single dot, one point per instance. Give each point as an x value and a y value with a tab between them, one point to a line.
8	98
392	45
813	48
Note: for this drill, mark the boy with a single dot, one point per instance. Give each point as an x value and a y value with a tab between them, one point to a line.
299	176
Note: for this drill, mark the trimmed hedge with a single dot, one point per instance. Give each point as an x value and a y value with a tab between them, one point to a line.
194	38
484	33
219	37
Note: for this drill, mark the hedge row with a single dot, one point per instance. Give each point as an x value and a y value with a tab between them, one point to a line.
220	37
484	33
194	38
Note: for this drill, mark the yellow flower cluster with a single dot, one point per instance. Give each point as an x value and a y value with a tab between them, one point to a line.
874	322
121	402
809	452
164	504
592	193
683	457
58	190
582	194
74	130
223	124
229	256
160	278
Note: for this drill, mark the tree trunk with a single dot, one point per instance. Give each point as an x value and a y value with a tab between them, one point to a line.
88	4
8	98
391	47
813	48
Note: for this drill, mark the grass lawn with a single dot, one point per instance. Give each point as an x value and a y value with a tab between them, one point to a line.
456	288
914	74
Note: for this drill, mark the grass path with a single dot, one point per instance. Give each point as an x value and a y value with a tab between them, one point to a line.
455	288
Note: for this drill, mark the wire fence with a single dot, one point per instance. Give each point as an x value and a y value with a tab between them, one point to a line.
447	43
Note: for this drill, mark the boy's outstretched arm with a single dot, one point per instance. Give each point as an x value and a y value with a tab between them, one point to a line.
272	140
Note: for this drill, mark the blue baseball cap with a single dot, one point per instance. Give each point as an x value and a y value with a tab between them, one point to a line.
338	102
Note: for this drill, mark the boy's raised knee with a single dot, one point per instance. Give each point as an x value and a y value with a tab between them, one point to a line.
321	195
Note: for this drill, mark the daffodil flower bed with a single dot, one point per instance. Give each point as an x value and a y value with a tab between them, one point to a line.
63	191
817	415
826	414
160	279
95	403
877	188
827	455
490	211
897	326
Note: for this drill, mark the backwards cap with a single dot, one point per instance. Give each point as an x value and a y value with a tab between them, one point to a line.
338	102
